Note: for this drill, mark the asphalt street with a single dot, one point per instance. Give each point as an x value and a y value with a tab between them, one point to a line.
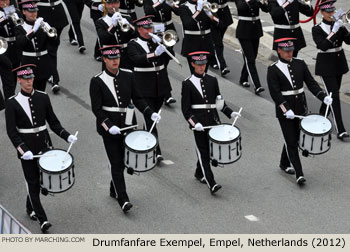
257	197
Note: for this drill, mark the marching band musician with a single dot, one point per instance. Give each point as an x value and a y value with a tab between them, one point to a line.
110	31
6	77
162	21
249	30
111	92
150	73
198	101
53	12
285	16
33	41
127	7
26	116
285	79
196	23
331	62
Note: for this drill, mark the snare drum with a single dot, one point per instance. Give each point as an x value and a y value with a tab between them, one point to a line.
56	171
225	144
315	134
140	151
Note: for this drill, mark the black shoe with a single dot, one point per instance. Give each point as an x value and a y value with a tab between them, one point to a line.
301	180
45	226
55	88
342	135
288	170
159	158
200	179
215	188
126	207
169	101
245	84
82	49
98	58
215	66
32	215
259	90
225	71
73	42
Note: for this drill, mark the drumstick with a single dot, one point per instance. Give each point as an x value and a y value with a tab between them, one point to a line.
239	112
299	116
70	146
206	127
154	123
42	155
330	94
130	127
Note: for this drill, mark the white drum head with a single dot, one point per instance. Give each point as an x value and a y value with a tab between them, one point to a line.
52	161
224	132
316	124
140	140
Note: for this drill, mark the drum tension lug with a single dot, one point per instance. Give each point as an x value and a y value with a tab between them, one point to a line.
305	153
45	192
214	163
130	171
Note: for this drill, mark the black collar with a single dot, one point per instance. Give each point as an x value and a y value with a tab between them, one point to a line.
327	22
30	23
144	39
198	76
27	94
111	74
285	61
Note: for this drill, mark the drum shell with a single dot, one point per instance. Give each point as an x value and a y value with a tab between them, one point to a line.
60	181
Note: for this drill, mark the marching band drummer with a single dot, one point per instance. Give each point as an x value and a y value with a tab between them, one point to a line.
26	116
285	79
331	62
33	42
198	102
111	92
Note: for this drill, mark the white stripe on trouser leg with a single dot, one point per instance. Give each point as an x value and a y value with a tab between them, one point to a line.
30	199
335	122
217	59
246	64
69	19
200	162
285	145
110	169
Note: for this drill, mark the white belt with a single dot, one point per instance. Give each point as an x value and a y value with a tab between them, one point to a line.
114	109
35	54
148	69
49	4
220	6
165	23
33	130
249	18
10	39
288	27
197	32
203	106
293	92
123	45
127	11
332	50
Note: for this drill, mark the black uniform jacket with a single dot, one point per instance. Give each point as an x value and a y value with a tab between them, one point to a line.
190	95
249	29
103	92
201	22
150	83
95	14
224	14
52	12
288	76
330	63
279	17
129	5
26	111
26	39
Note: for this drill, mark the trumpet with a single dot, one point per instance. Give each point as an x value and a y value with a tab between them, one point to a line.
123	27
15	19
306	2
50	31
169	38
174	2
3	45
341	15
140	2
212	7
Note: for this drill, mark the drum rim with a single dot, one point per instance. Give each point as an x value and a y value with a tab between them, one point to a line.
225	142
229	162
60	191
138	151
60	172
313	134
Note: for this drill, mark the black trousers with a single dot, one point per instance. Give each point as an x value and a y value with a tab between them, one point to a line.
250	49
218	34
8	78
332	84
40	84
32	177
2	101
75	9
155	104
52	49
203	164
290	154
115	152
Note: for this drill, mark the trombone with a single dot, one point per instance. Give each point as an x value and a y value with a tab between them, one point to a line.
3	45
212	7
50	31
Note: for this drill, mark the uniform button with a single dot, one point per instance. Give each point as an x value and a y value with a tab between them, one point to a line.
206	100
30	99
38	58
34	123
208	111
253	22
33	111
121	103
53	8
31	105
118	97
296	96
122	114
203	91
202	36
295	86
292	30
292	76
37	135
293	81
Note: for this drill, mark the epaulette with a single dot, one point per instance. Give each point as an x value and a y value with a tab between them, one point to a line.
298	58
187	78
40	91
126	70
98	74
13	96
274	63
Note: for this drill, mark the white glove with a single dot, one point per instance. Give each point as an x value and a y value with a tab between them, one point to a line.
101	8
290	114
290	1
169	3
28	155
116	16
155	38
37	24
161	1
337	25
328	100
234	114
200	5
114	130
72	139
156	117
159	50
198	127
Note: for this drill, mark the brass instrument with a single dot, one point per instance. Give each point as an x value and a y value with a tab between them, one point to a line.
174	2
263	1
169	38
3	45
10	11
140	2
306	2
123	27
50	31
212	7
